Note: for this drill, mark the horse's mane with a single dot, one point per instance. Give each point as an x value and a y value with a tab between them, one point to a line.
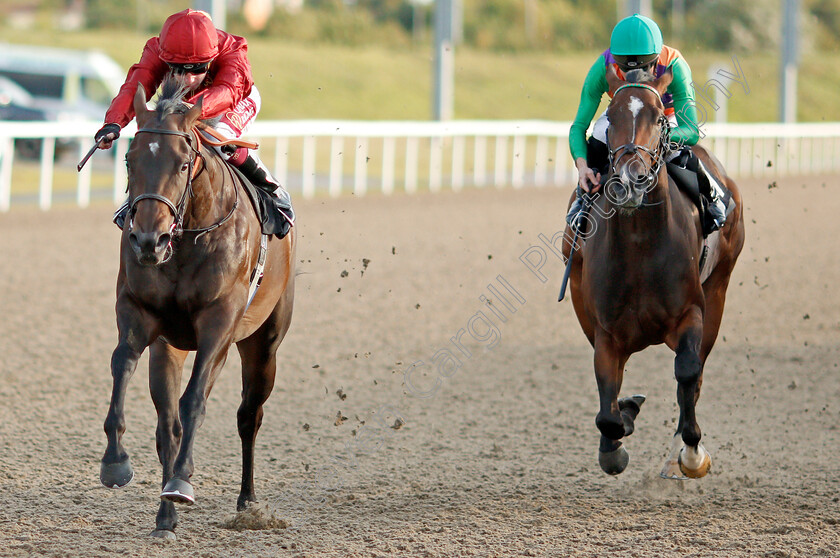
639	75
172	100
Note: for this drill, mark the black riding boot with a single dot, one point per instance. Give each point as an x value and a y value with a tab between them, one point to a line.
715	209
255	171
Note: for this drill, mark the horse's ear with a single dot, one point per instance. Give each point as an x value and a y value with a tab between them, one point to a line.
613	81
662	82
192	116
140	109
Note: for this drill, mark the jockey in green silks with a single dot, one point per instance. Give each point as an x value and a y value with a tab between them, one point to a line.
636	44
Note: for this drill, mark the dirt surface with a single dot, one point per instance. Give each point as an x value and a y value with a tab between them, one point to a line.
499	460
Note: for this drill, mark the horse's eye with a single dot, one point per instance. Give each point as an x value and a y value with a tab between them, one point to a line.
184	167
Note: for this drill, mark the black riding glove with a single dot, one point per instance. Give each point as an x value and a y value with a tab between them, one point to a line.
106	130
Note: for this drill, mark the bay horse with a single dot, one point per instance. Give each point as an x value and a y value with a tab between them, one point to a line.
190	244
636	279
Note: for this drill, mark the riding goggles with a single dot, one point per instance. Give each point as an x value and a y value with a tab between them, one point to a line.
629	62
198	68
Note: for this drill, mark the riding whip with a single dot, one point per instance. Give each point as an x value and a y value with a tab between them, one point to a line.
587	202
90	153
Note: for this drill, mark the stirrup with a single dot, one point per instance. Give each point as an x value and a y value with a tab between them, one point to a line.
716	214
120	215
574	211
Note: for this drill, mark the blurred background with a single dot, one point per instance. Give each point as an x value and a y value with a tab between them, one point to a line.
498	62
372	59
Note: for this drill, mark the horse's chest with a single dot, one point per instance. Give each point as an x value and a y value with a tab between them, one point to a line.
186	285
638	302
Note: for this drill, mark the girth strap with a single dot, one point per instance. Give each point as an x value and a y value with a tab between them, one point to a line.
257	274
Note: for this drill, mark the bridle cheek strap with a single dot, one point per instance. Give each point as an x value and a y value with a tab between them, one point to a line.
192	172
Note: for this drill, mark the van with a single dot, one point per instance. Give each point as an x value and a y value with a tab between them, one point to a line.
68	84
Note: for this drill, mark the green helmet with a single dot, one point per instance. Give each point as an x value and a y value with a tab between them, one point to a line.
636	41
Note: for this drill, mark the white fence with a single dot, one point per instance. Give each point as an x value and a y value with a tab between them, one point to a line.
312	156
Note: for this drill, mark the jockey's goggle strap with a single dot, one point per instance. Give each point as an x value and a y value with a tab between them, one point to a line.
198	68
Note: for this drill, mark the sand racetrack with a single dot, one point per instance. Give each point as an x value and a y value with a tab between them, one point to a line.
500	460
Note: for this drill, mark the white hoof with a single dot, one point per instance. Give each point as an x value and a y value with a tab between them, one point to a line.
695	462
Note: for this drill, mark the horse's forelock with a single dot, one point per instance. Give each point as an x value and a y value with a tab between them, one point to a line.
639	75
171	99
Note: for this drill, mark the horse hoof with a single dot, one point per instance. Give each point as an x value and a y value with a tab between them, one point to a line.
633	402
614	462
671	471
164	534
178	491
116	475
695	466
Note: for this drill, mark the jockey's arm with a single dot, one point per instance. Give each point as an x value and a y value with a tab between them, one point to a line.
149	71
594	87
687	131
232	82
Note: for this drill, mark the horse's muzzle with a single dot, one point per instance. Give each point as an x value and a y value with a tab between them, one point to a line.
151	248
627	189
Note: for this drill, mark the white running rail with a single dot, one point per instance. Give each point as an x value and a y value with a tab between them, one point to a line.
334	157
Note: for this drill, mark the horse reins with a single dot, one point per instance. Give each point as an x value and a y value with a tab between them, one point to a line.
178	210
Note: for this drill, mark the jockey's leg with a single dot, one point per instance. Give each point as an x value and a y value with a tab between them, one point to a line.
233	125
711	190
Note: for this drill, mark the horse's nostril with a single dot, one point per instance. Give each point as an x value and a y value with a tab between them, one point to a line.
132	240
163	241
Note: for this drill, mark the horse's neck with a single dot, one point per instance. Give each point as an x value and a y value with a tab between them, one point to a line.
646	224
212	194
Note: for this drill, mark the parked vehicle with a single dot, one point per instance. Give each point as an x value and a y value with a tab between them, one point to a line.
70	84
16	104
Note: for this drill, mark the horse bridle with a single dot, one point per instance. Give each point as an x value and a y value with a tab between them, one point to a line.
179	209
657	156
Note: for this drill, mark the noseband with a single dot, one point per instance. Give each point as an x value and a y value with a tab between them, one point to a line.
178	210
657	156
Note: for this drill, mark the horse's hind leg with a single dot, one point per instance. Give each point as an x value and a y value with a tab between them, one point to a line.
259	366
165	367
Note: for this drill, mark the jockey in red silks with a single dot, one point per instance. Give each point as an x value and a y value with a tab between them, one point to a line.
214	65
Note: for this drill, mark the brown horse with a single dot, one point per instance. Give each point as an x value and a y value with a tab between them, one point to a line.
636	281
189	248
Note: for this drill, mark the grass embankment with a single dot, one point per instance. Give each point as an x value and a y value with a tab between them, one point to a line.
376	83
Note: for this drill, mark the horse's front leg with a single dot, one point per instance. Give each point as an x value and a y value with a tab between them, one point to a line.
615	418
165	367
137	329
692	459
215	332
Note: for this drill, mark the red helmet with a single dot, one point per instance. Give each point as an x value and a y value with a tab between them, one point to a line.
188	37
